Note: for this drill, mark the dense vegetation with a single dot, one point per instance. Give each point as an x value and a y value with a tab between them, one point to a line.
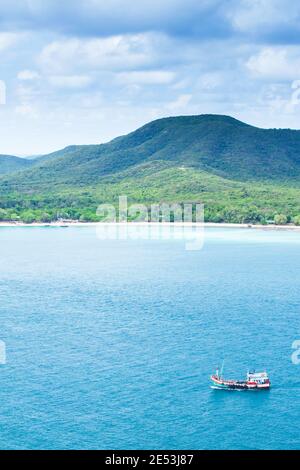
241	173
9	164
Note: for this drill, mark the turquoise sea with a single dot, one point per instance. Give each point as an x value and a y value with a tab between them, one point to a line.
110	343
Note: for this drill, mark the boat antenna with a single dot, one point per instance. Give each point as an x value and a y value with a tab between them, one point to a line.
221	373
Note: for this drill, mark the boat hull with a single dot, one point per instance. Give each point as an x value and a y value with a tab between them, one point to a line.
237	385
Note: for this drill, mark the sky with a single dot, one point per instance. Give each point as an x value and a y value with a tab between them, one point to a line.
86	71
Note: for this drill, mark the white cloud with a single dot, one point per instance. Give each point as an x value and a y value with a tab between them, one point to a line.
70	81
82	61
210	81
28	75
181	84
180	103
27	92
277	63
252	15
148	77
117	53
7	40
26	109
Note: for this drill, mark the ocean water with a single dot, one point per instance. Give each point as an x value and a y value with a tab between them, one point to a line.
110	343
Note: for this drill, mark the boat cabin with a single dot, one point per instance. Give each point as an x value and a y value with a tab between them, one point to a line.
258	377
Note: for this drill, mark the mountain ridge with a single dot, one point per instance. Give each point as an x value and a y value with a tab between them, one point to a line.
220	144
11	163
231	166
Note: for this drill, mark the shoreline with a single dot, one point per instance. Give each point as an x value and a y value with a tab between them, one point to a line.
67	224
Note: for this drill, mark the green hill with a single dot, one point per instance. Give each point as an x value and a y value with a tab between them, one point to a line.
11	164
241	172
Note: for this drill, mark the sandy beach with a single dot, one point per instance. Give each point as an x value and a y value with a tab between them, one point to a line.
154	224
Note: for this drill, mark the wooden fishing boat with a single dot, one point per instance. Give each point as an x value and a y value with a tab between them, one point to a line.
254	381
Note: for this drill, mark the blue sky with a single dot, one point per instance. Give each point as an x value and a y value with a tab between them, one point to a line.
85	71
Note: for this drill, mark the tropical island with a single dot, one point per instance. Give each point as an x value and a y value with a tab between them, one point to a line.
241	173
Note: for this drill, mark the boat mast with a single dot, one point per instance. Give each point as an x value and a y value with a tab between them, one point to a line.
221	373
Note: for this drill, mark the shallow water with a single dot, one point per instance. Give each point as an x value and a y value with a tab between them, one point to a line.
110	343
